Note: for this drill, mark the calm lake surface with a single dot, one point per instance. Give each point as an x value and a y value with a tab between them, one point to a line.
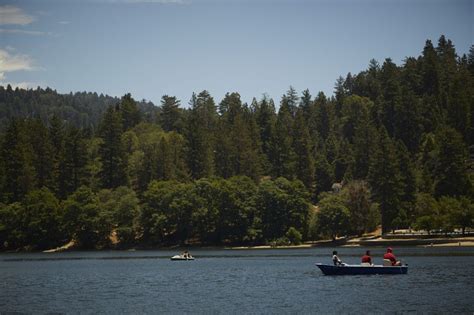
439	280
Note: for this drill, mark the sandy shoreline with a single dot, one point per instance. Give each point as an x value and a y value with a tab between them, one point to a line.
354	242
377	242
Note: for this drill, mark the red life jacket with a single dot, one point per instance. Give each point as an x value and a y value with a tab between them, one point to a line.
366	259
391	257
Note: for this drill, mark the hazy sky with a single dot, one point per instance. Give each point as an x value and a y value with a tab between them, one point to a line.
155	47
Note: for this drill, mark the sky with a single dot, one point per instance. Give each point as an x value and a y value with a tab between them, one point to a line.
150	48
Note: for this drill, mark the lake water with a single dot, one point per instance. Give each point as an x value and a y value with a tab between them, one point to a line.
439	280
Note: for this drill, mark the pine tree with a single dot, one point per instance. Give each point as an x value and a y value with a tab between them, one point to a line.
164	162
384	178
129	111
201	128
304	165
408	121
323	175
265	117
340	93
430	70
73	162
56	135
364	143
17	167
290	100
452	170
389	77
321	124
282	156
42	152
447	64
111	151
470	60
170	113
306	104
408	181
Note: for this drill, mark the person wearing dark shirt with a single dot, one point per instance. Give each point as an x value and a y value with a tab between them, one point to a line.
390	256
366	259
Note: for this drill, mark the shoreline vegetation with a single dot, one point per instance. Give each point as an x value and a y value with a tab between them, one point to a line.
392	148
374	241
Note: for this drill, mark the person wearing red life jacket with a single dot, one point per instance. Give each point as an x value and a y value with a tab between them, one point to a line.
390	256
366	259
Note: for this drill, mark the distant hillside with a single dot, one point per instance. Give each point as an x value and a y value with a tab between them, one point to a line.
81	109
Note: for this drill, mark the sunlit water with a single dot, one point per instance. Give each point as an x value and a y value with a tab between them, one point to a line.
439	280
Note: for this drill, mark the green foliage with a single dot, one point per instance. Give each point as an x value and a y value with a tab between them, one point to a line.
385	180
294	236
121	208
170	118
18	171
84	221
333	216
452	170
129	112
282	204
81	109
42	219
12	230
147	172
111	151
357	195
166	212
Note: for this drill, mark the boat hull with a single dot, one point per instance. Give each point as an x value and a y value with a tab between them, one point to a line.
179	257
331	270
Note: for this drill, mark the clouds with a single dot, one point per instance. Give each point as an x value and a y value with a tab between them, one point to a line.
11	15
12	62
23	32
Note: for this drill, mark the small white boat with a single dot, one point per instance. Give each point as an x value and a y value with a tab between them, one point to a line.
182	257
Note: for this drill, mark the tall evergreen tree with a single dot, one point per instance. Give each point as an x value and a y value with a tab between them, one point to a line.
452	177
389	77
304	154
324	174
430	70
266	119
18	170
42	152
170	115
129	111
306	104
73	162
282	156
111	151
201	127
408	181
56	135
384	178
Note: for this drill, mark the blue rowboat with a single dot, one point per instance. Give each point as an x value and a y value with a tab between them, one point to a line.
331	270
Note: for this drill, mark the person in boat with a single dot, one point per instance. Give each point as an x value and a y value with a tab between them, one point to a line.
186	254
336	260
390	256
366	259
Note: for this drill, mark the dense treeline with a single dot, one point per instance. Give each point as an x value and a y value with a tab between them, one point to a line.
391	147
82	110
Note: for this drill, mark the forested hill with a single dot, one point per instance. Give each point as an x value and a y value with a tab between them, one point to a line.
391	147
81	109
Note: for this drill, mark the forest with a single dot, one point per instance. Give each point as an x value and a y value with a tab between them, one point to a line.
392	147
